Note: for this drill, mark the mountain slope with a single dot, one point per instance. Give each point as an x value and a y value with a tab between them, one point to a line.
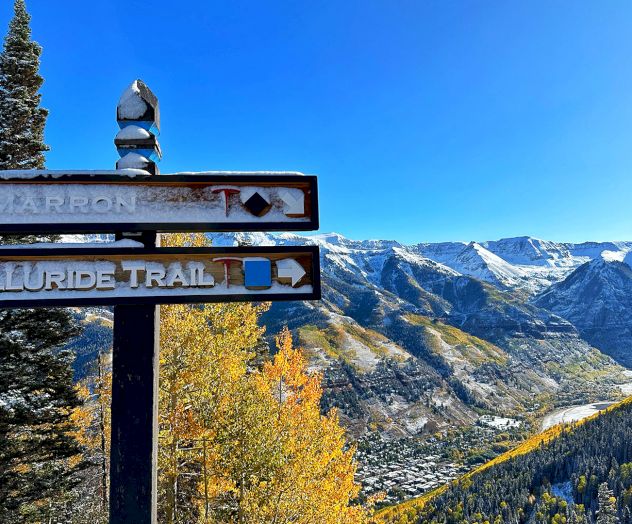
553	476
410	345
521	263
440	319
597	299
476	261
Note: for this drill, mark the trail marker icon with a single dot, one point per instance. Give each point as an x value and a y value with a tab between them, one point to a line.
291	269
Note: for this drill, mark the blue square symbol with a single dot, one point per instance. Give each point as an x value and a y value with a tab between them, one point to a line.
258	273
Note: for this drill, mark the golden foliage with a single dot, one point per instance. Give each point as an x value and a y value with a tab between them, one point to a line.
309	476
254	440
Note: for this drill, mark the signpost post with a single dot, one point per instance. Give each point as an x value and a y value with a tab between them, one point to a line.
135	275
136	334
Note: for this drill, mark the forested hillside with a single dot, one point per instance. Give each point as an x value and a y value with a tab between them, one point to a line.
575	473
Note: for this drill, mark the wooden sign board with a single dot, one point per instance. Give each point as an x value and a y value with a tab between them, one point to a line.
115	275
133	200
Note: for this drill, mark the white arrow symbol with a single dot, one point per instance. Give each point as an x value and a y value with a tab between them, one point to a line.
290	268
294	200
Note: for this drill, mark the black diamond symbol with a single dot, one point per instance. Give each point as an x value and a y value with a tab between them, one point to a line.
257	205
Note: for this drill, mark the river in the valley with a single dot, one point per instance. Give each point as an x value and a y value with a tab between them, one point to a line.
575	413
572	414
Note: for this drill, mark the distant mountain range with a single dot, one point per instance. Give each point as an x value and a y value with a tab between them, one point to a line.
442	338
413	338
520	263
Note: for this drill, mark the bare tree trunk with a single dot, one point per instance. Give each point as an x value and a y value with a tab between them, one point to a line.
102	430
240	510
205	482
172	476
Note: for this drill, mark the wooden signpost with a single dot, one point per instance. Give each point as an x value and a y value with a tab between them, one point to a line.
134	274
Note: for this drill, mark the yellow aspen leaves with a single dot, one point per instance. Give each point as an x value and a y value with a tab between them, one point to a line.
241	444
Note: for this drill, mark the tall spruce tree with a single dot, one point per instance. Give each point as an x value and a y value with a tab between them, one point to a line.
607	511
36	399
37	394
22	120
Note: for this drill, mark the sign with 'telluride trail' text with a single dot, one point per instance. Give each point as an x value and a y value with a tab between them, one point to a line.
120	275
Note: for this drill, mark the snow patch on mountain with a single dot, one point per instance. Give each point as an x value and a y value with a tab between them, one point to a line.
522	263
528	251
613	256
476	261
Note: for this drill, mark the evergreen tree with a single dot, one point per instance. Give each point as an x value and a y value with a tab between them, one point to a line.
36	400
37	450
22	120
607	512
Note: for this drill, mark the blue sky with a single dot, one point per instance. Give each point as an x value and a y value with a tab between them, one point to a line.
425	120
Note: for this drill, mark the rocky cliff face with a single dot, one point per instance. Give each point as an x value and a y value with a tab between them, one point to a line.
409	344
597	299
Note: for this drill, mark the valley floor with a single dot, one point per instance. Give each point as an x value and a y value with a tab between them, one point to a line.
407	468
580	412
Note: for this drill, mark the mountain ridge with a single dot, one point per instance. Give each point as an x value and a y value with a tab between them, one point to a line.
427	300
525	263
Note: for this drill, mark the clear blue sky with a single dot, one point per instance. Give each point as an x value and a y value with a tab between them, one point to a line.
425	120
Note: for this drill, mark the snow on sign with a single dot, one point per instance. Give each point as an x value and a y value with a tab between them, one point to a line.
133	200
130	275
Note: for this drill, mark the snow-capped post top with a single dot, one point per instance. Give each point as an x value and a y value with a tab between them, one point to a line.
138	117
138	104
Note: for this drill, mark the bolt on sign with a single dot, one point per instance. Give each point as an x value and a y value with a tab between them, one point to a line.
129	275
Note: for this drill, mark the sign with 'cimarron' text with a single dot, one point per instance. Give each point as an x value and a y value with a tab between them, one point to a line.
133	200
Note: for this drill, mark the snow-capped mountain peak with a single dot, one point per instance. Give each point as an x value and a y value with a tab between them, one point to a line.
528	251
524	263
478	262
